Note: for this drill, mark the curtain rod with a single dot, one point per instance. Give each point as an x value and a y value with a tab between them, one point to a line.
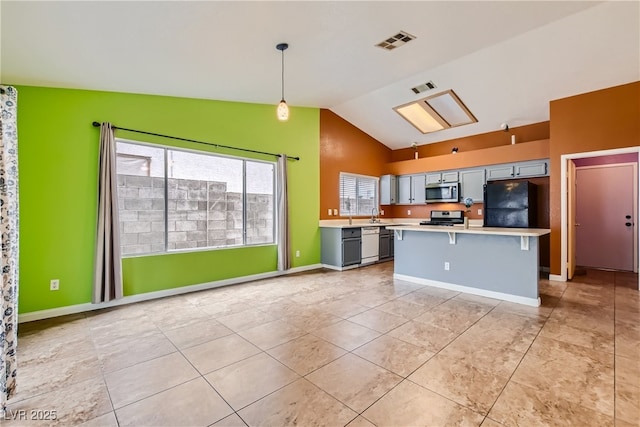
96	124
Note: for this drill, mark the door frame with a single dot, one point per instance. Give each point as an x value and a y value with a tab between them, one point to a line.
564	159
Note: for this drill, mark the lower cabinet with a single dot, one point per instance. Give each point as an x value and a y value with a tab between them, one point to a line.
386	244
351	251
341	247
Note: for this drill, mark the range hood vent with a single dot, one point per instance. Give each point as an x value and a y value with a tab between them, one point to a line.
396	40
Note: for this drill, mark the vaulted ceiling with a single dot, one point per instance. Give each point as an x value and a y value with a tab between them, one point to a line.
505	60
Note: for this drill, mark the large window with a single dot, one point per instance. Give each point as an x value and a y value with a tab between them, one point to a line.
358	194
172	199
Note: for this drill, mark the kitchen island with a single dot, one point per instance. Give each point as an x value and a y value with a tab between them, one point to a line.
501	263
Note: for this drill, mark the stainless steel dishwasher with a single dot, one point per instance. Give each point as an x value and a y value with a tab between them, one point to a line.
370	244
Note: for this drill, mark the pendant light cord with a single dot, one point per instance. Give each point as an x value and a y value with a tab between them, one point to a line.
282	52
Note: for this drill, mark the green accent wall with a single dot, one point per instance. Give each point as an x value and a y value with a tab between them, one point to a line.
58	176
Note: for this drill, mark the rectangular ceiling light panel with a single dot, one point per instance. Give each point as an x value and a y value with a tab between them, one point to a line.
437	112
418	115
449	106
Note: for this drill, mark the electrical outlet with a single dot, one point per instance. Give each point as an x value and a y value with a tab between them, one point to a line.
381	212
297	254
54	285
446	266
335	212
408	211
330	212
479	211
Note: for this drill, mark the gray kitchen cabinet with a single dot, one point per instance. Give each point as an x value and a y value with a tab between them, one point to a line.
499	172
404	190
434	178
522	170
450	176
386	244
411	189
341	247
417	187
442	177
388	190
517	170
471	185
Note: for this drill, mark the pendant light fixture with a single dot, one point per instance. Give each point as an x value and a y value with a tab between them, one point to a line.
283	108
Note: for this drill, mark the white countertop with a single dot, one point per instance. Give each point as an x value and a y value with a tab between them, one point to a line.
535	232
344	223
331	223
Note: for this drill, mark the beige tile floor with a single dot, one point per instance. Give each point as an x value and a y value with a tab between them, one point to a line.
350	348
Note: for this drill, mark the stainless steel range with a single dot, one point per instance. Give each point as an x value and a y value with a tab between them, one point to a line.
445	218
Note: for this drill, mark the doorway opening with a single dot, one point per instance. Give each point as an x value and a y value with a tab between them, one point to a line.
568	206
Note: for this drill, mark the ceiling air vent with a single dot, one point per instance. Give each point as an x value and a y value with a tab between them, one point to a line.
396	40
423	87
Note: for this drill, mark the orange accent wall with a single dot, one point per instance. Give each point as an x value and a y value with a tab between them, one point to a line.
345	148
466	158
600	120
526	133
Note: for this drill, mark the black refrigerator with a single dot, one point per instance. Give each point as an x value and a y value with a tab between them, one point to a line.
510	204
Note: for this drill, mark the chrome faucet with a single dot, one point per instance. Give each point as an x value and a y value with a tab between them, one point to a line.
374	215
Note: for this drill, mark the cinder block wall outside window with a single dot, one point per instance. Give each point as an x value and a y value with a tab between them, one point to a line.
200	214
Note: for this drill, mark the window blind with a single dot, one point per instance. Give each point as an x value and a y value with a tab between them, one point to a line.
358	194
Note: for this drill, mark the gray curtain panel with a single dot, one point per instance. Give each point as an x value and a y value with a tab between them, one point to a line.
107	282
9	227
284	250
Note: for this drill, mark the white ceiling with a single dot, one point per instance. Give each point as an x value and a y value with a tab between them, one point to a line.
505	59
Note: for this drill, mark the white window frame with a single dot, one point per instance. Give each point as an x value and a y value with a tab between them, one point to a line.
358	212
167	149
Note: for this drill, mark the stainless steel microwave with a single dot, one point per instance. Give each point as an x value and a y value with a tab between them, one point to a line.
441	193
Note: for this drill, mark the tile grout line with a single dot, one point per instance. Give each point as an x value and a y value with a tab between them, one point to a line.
307	332
523	356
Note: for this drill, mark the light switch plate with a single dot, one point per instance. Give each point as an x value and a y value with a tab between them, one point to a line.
330	212
335	212
479	211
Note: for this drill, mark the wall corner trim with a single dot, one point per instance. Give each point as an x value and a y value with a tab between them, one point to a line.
80	308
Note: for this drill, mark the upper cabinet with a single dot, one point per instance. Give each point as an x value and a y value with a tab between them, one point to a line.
388	190
441	177
471	185
530	169
499	172
404	190
409	189
517	170
418	183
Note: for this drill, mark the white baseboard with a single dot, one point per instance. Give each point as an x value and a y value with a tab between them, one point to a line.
557	278
336	268
533	302
80	308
